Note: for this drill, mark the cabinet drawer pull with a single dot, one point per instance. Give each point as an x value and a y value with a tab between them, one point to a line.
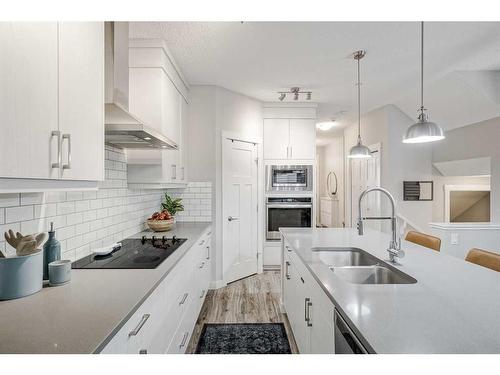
144	319
301	279
143	351
208	253
202	293
57	133
68	137
184	339
209	233
201	242
183	175
201	265
288	248
287	274
184	297
308	312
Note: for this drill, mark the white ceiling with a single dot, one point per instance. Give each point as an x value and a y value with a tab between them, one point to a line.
260	58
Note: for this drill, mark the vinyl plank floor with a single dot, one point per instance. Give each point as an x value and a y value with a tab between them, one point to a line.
255	299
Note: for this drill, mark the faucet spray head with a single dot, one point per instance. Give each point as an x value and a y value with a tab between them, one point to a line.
360	226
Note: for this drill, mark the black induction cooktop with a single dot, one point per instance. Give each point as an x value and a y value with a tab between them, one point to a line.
134	253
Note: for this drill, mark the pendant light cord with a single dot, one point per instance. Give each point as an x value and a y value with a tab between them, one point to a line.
422	66
359	104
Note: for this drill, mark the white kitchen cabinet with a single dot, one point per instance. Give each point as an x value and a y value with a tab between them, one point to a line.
289	139
184	152
28	99
309	311
329	212
52	79
81	98
164	322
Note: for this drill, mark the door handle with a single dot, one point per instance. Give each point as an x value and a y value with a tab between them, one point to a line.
136	330
68	137
230	218
57	133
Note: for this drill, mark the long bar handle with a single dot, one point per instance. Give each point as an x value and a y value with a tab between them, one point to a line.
57	133
287	275
68	137
308	306
184	297
184	339
143	321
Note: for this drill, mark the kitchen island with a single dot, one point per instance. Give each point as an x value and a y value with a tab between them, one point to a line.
85	314
452	308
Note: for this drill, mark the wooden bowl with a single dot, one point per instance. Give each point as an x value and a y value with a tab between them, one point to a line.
160	225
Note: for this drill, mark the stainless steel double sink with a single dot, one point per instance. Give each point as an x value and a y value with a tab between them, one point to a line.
356	266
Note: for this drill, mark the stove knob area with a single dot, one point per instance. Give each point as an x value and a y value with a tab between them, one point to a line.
163	240
143	240
174	240
153	239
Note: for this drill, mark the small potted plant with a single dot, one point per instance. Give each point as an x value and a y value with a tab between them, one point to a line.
163	221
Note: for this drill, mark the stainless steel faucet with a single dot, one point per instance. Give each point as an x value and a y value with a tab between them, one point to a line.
395	244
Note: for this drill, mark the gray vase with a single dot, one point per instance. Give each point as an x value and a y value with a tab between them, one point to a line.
51	251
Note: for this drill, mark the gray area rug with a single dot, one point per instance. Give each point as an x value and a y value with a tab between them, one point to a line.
243	338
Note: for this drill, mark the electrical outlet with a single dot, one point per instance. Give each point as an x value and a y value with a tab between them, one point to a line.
454	239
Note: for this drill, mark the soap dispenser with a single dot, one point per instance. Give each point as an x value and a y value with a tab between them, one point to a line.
51	251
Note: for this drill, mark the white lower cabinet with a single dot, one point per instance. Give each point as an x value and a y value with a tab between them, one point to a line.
309	310
165	320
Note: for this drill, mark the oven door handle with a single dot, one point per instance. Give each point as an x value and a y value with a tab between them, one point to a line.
289	206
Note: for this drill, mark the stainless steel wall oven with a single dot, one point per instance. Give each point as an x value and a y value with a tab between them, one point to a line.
287	212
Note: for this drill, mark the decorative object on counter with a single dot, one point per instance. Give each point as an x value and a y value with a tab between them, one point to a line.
51	251
172	205
59	272
25	245
21	276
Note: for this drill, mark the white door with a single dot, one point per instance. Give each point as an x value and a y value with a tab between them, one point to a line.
302	139
239	209
81	99
28	99
365	173
276	138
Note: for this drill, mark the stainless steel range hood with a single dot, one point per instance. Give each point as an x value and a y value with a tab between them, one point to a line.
122	129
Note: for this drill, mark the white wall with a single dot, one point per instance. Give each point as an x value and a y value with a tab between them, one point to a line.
399	161
212	111
474	141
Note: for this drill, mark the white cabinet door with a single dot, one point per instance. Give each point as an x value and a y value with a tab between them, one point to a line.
145	99
276	138
81	99
302	139
295	300
171	109
183	142
28	99
321	322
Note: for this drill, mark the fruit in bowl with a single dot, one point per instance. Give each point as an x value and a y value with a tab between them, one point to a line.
161	221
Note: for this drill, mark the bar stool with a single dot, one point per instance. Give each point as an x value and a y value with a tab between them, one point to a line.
484	258
423	239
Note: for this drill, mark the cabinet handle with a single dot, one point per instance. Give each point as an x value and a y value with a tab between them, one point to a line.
144	319
202	293
288	248
57	133
308	312
184	297
201	265
209	233
183	176
201	242
208	253
287	151
305	308
184	339
174	172
68	137
287	275
143	351
291	152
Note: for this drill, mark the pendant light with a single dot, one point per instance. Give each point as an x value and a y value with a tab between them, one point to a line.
359	151
423	130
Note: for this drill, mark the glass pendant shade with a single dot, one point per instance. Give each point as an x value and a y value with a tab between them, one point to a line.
359	151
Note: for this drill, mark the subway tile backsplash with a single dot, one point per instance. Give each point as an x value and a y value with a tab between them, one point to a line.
85	220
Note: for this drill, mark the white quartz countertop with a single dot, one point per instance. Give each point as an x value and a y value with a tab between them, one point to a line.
453	308
83	315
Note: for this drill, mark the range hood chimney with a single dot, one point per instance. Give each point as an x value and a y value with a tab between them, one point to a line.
122	129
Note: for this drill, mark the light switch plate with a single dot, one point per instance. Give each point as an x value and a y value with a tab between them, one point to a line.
454	239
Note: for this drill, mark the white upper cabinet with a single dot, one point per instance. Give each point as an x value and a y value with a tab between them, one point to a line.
157	95
28	100
51	105
302	139
290	139
81	98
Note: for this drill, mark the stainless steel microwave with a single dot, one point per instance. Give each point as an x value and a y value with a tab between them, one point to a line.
289	178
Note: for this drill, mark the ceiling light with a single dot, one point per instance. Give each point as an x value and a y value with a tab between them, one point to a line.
282	96
423	130
359	151
325	125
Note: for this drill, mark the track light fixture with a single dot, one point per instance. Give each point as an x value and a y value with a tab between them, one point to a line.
296	94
